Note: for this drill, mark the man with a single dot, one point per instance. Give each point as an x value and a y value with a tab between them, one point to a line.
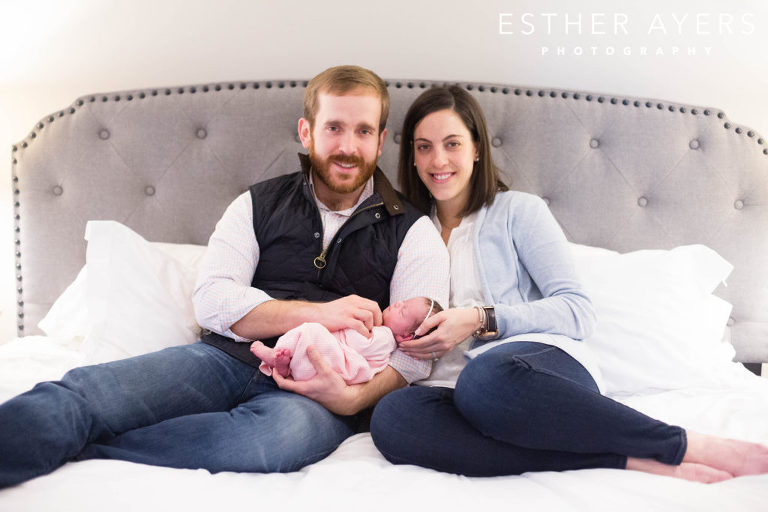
332	244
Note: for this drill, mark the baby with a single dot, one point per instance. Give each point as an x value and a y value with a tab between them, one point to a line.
356	358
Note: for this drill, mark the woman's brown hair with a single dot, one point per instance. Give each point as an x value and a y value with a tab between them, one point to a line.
485	181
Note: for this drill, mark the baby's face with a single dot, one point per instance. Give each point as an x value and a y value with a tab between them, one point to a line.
403	317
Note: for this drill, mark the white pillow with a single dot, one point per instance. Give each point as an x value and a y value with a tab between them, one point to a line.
659	326
132	296
68	317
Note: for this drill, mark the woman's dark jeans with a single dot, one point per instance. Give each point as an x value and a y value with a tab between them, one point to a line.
518	407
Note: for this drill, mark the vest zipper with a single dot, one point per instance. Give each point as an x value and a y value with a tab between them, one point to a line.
320	261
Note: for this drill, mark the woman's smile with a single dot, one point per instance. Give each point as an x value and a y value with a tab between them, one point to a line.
441	177
444	155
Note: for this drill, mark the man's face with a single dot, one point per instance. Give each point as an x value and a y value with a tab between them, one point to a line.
344	142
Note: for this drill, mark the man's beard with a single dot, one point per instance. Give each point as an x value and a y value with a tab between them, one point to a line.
323	171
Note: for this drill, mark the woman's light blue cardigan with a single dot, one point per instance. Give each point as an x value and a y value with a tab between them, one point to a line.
527	273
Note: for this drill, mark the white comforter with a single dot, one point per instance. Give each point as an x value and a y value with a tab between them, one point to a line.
356	476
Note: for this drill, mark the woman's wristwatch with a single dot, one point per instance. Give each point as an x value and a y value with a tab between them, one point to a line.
487	329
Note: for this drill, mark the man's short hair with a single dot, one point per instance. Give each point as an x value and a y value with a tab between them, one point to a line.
340	80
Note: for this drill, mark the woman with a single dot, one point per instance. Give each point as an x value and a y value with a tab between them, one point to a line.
527	400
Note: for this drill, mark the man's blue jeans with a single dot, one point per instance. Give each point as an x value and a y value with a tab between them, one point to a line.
518	407
191	406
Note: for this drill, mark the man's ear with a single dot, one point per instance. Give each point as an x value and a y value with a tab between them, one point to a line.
305	133
382	138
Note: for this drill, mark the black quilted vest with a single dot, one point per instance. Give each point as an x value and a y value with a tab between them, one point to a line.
360	259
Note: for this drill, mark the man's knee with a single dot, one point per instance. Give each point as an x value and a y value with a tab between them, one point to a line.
51	413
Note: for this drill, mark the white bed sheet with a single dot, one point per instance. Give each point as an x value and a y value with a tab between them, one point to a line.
356	475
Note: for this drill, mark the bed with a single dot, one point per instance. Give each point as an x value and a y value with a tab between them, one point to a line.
666	206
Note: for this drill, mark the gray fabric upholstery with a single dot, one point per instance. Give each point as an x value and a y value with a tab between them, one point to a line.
622	173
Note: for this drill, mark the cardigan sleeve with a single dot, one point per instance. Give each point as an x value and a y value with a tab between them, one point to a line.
543	264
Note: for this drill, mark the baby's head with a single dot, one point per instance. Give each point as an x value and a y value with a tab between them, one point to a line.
403	317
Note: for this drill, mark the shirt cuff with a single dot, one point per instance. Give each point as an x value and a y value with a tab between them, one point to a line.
410	368
237	308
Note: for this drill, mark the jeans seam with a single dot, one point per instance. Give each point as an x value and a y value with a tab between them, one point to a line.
548	373
241	397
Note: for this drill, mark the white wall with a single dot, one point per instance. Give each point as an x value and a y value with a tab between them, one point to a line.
52	51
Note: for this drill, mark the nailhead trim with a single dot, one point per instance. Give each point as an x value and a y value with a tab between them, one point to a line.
281	84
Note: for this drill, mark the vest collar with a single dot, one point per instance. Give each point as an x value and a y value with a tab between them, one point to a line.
381	186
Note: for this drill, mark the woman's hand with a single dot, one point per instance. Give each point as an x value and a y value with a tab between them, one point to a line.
453	326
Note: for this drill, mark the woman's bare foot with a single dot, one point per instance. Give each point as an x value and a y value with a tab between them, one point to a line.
687	470
736	457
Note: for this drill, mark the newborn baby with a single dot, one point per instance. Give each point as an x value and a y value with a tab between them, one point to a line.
356	358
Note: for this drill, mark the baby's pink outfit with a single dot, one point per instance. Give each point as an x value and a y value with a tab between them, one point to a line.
353	356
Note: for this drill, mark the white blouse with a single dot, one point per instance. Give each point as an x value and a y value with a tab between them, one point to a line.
465	292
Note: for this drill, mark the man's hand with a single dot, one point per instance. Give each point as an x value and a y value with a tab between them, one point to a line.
326	388
352	311
276	317
329	390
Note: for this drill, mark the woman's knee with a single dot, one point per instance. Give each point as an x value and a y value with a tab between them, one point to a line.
486	374
403	421
489	386
386	417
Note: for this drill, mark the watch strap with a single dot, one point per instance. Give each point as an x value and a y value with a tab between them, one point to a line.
490	322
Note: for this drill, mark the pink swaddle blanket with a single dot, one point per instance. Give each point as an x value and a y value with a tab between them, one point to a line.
356	358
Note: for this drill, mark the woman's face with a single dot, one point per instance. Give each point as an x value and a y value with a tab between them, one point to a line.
444	154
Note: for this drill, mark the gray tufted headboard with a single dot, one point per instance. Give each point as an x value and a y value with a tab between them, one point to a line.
622	173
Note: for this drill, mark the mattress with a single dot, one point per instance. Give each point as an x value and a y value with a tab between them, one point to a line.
356	474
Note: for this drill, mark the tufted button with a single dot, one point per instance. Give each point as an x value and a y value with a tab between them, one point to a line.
496	142
594	143
57	190
731	321
396	138
149	190
317	234
694	144
104	134
201	133
546	200
738	204
642	202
